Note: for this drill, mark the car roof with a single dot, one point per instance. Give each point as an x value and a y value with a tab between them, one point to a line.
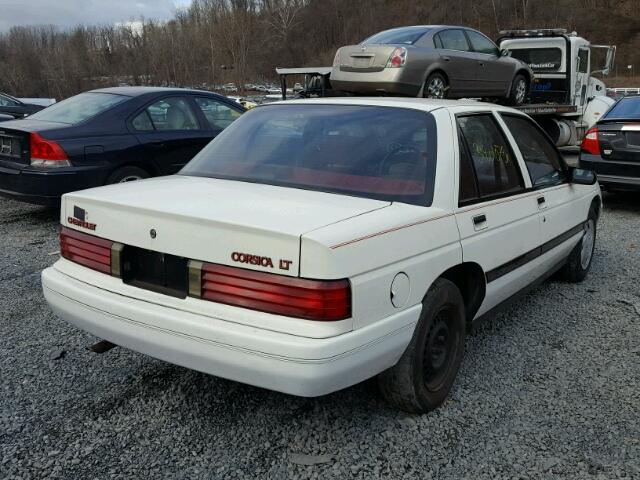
137	91
425	104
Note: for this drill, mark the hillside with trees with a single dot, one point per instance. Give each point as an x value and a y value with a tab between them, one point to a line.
217	41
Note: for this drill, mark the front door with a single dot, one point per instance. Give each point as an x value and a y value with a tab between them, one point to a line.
496	215
494	73
557	200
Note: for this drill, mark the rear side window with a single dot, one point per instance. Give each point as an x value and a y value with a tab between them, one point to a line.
542	159
454	40
219	115
383	153
79	108
496	169
168	114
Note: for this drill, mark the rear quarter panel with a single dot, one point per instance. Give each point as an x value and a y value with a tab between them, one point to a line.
372	249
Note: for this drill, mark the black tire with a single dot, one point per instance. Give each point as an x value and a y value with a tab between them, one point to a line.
519	90
577	266
439	85
413	384
126	174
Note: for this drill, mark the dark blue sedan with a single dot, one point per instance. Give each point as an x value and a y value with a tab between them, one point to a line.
107	136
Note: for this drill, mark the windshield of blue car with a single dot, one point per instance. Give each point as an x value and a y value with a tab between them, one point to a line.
627	108
375	152
79	108
407	36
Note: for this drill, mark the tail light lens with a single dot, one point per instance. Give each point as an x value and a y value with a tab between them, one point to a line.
87	250
398	58
590	142
267	292
47	153
336	59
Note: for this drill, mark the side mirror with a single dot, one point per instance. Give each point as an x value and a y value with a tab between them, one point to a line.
505	53
580	176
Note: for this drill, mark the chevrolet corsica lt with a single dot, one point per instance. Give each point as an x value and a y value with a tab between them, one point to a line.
317	243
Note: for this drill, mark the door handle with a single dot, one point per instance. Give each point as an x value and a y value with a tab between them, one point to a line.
479	222
541	201
481	64
478	219
446	59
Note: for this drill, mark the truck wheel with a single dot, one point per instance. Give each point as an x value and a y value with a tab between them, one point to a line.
435	86
579	260
518	93
126	174
423	377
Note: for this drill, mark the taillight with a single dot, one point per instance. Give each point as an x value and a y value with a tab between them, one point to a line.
590	142
47	153
324	300
93	252
336	59
398	58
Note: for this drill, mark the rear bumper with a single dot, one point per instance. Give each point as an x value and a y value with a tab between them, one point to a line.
45	187
388	80
611	173
277	361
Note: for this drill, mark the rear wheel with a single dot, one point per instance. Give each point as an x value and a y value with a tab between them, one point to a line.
518	93
579	260
423	377
127	174
436	86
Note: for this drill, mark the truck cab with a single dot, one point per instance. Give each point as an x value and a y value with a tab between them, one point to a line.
562	63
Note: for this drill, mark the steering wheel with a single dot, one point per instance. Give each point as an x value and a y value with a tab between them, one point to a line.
394	149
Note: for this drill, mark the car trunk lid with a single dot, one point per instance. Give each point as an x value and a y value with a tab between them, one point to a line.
365	58
620	141
240	224
15	138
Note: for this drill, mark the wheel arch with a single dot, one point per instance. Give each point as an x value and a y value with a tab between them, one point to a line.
470	279
147	167
435	68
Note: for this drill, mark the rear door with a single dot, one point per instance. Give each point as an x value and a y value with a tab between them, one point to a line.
494	73
461	63
170	132
497	216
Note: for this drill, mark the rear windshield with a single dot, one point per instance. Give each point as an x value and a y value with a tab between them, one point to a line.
627	108
539	59
79	108
408	36
373	152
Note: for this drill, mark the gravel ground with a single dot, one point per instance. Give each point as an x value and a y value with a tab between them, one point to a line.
549	389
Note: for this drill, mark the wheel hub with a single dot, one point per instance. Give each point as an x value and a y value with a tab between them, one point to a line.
439	351
588	241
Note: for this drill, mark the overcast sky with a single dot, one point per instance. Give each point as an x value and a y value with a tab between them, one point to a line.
67	13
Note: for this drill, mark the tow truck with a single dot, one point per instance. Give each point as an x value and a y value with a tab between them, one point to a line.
565	98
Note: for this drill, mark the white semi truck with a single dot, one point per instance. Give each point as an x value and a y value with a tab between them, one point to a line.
565	99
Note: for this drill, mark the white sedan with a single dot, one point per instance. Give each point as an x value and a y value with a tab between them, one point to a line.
317	243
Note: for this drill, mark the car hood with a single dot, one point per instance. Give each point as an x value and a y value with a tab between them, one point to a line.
210	219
